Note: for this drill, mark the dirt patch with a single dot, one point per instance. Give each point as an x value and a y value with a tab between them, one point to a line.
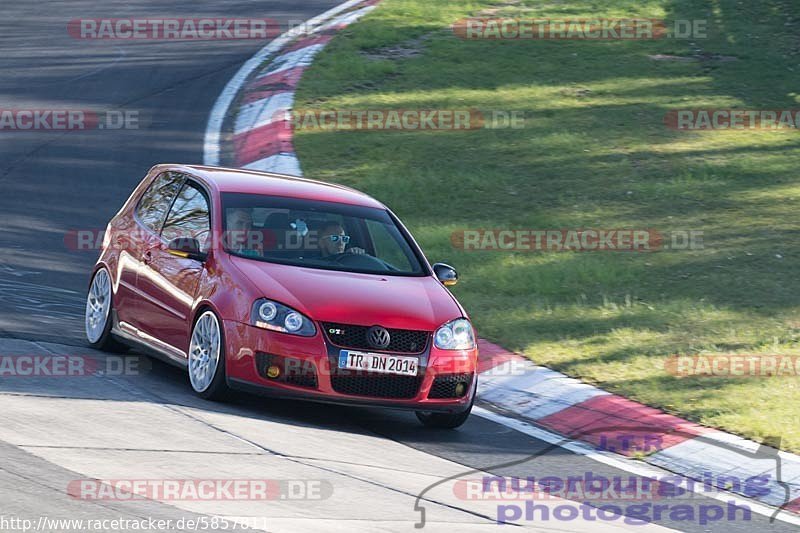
405	50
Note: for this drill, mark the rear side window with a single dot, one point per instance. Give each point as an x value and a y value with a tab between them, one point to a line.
157	198
189	216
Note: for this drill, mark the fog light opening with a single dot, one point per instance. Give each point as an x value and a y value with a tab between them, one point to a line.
273	372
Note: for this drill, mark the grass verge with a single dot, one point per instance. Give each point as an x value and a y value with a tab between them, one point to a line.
594	153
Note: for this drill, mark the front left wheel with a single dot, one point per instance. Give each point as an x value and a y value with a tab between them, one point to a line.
207	358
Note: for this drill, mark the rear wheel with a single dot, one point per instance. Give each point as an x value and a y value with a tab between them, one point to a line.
97	319
207	358
447	420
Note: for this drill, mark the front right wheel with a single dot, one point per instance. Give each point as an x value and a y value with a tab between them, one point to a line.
443	420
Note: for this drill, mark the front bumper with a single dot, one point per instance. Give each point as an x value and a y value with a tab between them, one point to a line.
248	346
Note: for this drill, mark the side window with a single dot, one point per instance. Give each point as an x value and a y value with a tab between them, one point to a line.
385	239
156	199
189	216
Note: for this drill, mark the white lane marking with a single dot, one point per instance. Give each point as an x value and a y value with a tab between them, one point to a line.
211	145
638	469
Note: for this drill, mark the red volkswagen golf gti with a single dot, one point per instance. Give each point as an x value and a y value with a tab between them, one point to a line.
282	286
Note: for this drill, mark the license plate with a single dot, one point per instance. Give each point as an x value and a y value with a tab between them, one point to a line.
378	362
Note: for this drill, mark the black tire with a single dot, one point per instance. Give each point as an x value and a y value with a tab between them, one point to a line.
443	420
218	390
447	420
107	342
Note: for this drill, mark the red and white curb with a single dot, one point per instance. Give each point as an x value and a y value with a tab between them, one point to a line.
512	384
581	417
263	89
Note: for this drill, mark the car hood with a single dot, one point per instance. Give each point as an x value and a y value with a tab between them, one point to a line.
420	303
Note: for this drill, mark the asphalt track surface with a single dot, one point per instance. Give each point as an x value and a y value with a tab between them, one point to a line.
373	463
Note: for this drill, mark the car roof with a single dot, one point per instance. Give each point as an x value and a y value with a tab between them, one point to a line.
273	184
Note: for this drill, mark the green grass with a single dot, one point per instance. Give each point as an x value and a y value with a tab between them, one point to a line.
594	152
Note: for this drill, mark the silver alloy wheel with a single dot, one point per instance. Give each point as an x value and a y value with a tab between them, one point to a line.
98	306
204	351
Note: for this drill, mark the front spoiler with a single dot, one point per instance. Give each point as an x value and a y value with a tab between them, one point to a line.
274	392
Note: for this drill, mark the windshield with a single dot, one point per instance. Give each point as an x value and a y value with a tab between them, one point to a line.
316	234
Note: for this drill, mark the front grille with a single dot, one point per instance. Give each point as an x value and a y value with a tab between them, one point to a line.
375	385
297	372
444	385
355	337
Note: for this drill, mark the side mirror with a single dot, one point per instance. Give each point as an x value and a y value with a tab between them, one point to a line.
446	274
186	247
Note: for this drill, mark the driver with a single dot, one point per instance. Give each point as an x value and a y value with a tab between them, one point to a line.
333	241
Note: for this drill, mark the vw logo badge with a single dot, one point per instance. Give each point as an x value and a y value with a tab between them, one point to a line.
378	337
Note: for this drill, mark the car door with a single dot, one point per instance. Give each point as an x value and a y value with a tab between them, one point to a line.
168	283
138	234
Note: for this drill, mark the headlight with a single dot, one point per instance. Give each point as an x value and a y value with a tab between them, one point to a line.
455	335
293	321
267	314
267	311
